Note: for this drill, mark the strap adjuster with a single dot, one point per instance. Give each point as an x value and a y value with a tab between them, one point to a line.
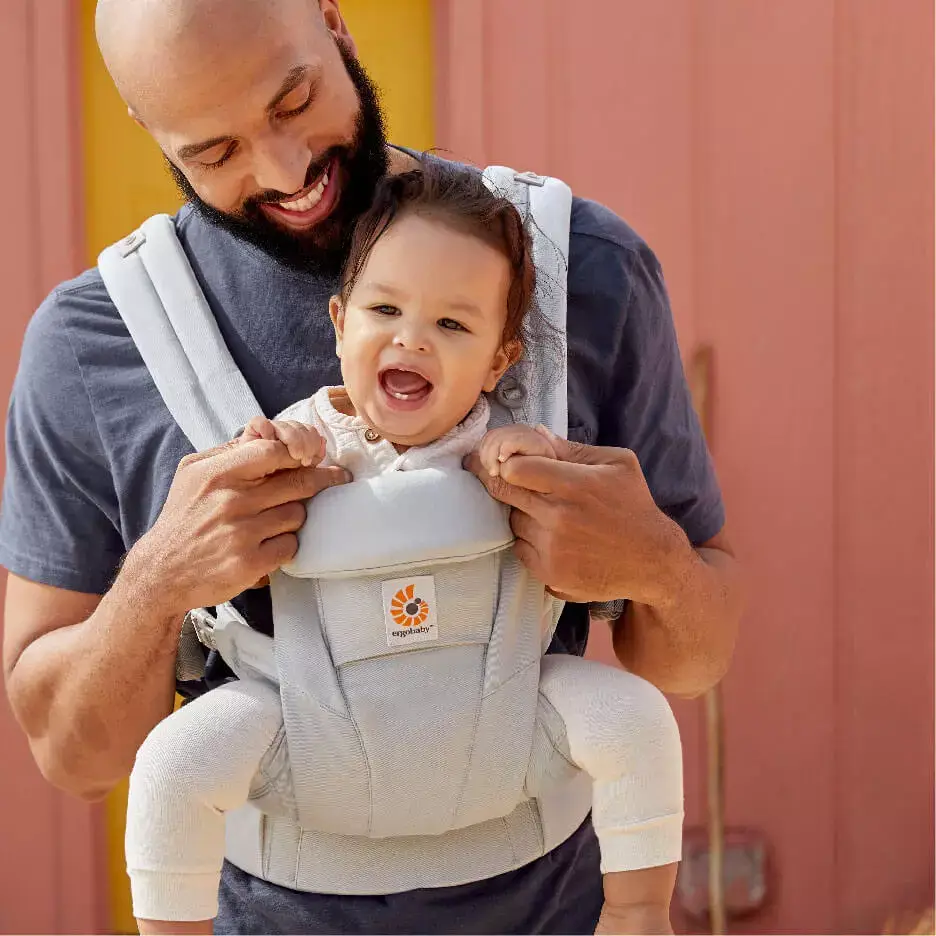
530	178
203	623
131	243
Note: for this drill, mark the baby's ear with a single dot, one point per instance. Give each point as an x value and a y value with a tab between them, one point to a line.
507	355
337	313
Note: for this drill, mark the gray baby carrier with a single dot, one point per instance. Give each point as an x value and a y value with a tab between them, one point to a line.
408	637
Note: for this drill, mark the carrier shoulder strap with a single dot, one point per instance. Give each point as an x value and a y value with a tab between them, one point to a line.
545	204
153	286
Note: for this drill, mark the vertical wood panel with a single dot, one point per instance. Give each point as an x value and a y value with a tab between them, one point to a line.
29	858
884	470
765	277
50	872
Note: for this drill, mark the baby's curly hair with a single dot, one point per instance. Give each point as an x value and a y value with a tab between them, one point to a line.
456	196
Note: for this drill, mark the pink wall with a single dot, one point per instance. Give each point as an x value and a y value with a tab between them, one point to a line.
50	868
779	159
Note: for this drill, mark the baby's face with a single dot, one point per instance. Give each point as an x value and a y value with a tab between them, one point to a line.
421	335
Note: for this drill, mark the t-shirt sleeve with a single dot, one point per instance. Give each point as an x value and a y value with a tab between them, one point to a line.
59	518
646	404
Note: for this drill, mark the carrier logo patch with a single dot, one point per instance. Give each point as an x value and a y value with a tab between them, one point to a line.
410	610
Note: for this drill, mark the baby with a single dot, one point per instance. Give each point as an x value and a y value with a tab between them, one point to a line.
436	303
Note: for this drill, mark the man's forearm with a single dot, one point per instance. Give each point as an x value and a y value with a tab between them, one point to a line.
88	694
684	645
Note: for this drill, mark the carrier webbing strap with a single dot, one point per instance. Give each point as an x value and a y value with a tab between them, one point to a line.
546	204
156	293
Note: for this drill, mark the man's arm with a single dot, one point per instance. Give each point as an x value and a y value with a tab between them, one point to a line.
684	645
89	677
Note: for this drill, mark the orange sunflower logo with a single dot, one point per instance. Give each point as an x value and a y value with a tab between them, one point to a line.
407	609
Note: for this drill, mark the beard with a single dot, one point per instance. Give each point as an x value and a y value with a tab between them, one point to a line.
363	162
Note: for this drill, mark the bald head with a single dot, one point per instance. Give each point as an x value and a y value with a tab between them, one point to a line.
151	46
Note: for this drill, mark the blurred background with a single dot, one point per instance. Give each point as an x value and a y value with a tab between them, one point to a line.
778	157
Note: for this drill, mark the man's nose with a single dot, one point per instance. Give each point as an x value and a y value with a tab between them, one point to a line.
281	164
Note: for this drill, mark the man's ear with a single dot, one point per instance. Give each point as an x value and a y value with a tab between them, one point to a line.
335	24
336	313
507	355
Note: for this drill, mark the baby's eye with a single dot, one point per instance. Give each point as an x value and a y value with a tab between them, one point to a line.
451	324
385	310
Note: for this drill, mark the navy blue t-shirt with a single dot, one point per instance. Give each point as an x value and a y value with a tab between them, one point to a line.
92	449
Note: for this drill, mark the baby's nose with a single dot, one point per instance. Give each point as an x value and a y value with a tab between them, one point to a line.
412	339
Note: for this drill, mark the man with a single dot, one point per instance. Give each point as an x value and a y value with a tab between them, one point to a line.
273	132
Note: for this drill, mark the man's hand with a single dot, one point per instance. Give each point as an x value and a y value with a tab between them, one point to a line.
586	523
230	519
587	526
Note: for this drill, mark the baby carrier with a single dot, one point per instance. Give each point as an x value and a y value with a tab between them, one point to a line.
408	637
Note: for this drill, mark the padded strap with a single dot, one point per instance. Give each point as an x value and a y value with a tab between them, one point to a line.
545	204
156	293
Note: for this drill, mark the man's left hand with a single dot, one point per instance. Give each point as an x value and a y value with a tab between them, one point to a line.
586	523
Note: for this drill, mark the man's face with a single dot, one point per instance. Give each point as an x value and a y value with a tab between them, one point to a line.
286	151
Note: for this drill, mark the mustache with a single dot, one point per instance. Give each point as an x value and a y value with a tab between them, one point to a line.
316	168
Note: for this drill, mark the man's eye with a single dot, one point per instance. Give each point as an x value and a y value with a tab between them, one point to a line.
225	156
296	111
385	310
451	324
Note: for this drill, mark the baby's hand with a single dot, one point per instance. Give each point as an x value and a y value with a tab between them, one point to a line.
503	443
303	442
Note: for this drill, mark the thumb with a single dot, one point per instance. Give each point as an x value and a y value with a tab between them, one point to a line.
580	454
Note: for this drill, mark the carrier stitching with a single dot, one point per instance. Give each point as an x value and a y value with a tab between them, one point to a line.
509	679
377	570
481	698
554	741
474	741
357	731
370	787
298	855
269	755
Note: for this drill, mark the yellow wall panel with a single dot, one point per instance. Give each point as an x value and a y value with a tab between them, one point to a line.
126	181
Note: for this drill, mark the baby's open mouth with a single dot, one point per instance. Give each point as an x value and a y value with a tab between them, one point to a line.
404	385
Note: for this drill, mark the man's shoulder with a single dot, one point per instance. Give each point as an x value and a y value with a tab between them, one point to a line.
611	265
599	228
83	301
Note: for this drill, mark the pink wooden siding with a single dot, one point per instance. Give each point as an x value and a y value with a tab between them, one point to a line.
779	159
50	867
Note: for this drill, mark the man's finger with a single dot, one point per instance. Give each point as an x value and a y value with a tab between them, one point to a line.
535	473
525	527
297	484
527	501
581	454
250	461
528	555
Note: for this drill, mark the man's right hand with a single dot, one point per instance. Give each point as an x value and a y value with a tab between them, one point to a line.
230	519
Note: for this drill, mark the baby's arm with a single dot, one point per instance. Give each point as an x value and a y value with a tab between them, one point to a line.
194	765
620	730
304	442
498	445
